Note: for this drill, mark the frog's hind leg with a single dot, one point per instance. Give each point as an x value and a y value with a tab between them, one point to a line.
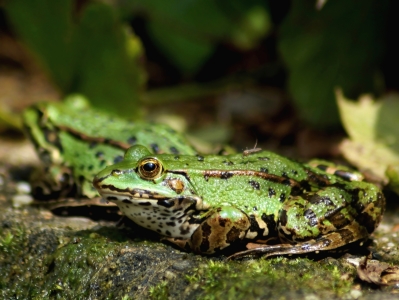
330	218
331	241
312	215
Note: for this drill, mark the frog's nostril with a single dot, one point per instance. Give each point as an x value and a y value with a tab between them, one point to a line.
116	173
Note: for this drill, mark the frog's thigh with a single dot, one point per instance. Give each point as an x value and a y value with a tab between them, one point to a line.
316	215
220	228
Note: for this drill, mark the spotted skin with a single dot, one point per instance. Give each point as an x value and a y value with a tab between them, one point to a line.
166	216
211	203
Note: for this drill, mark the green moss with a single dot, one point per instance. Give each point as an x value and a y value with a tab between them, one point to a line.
160	291
252	279
12	244
6	241
41	265
73	265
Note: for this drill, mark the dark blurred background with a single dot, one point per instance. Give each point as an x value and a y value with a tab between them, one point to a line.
234	72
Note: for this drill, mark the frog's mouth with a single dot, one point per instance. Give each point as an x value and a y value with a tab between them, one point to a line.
166	215
131	196
145	198
113	194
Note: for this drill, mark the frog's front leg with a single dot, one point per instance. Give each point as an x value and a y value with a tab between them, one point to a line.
219	228
325	220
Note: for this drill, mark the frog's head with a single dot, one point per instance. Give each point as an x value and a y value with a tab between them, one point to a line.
149	191
142	178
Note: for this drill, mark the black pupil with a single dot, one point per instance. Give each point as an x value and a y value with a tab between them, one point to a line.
149	167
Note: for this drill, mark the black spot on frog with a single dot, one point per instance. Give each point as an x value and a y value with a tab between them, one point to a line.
282	197
254	184
311	216
155	147
174	150
132	140
99	154
118	158
226	175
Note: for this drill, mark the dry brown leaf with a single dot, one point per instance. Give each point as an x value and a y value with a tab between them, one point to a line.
376	272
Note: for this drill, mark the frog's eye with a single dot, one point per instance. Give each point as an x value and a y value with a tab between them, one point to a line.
150	168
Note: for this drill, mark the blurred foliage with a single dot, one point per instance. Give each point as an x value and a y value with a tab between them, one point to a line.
90	52
340	45
87	48
373	143
188	32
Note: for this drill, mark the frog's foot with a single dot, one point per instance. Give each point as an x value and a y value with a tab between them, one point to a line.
331	241
184	244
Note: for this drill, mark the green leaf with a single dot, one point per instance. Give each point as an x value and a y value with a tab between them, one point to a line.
46	27
187	32
373	132
188	54
89	52
339	45
107	71
198	18
392	173
254	26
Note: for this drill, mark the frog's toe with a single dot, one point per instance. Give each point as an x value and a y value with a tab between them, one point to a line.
266	250
331	241
180	243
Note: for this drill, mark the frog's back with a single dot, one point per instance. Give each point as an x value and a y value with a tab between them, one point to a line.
263	162
105	127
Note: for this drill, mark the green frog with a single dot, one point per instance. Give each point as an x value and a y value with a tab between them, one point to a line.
75	142
270	203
